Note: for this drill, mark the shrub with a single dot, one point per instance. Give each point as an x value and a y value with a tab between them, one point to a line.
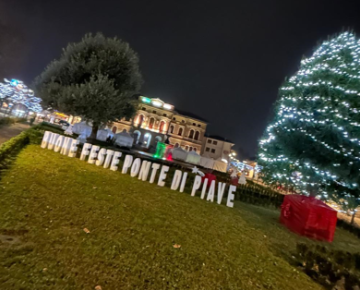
258	195
9	121
329	266
346	226
11	148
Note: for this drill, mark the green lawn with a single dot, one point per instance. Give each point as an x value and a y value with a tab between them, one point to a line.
46	200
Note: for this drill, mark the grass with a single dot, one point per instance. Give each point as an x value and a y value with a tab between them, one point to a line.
48	199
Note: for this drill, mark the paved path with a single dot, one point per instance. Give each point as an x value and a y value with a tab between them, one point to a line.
7	132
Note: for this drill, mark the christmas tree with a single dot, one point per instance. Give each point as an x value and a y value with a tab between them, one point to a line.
16	92
313	143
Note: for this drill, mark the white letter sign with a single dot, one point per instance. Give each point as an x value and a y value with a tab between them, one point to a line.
230	199
196	185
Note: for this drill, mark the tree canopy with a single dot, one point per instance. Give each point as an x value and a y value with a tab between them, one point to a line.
95	78
313	142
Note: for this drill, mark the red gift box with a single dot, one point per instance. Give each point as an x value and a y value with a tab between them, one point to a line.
309	217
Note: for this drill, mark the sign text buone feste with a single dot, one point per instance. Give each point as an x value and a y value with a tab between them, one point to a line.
142	169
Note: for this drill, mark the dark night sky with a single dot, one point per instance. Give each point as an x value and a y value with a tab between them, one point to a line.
223	60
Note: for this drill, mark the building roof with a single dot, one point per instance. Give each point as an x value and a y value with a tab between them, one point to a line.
191	115
162	105
217	137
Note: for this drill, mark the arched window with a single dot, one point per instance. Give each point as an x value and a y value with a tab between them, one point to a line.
194	149
147	140
187	148
137	135
197	134
151	123
191	134
190	149
176	145
162	127
158	139
180	131
171	129
114	129
139	120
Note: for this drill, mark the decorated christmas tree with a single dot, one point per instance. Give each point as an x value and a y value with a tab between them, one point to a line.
16	92
313	143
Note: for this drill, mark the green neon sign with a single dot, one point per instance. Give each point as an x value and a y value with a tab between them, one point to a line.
146	100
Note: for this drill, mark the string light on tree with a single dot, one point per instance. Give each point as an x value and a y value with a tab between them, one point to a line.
16	92
313	143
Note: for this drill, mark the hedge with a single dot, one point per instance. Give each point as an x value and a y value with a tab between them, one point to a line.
10	148
327	266
258	195
9	121
346	226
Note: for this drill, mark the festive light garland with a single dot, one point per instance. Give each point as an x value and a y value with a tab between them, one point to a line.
18	93
323	95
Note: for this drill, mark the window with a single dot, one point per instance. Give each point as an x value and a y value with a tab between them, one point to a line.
162	126
215	142
187	148
207	149
197	134
139	120
158	139
194	124
180	131
137	135
212	150
194	149
190	149
191	134
143	108
176	145
172	129
164	115
154	112
174	119
147	140
199	125
182	121
114	129
151	123
209	141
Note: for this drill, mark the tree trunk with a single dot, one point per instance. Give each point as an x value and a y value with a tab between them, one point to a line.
95	128
353	218
312	193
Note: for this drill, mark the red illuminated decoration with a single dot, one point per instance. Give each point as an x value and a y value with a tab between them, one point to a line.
168	152
308	217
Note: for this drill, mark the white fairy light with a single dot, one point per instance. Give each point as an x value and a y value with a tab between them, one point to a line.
309	104
18	93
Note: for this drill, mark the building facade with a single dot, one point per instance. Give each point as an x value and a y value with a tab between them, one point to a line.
156	120
216	147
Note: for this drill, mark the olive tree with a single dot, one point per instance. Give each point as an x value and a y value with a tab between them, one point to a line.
95	78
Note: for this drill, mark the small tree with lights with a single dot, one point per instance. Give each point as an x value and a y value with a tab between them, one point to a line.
95	79
16	92
313	143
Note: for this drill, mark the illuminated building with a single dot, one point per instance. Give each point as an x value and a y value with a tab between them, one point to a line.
155	119
217	147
